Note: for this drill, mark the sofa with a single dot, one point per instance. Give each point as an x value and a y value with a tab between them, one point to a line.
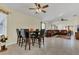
77	35
50	33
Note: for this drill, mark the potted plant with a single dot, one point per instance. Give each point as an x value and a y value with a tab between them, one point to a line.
3	43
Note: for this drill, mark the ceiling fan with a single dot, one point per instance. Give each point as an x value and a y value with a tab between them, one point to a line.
38	8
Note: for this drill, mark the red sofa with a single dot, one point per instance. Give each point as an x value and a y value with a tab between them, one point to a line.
50	33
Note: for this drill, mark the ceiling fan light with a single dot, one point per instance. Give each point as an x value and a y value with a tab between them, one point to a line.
38	10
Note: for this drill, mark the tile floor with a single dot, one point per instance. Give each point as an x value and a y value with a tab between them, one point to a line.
53	46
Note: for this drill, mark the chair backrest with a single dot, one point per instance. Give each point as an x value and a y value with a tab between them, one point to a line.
36	32
18	32
26	32
22	33
42	31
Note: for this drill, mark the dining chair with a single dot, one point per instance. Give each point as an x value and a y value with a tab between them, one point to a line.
42	34
23	37
27	40
32	36
18	36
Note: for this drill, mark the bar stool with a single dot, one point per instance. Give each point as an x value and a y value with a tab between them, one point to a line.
42	32
27	40
18	37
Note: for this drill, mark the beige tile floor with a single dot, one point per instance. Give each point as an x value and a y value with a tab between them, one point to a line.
53	46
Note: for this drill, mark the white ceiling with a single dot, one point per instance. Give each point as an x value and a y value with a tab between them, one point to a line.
55	11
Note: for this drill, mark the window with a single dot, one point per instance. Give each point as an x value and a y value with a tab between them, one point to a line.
43	26
3	24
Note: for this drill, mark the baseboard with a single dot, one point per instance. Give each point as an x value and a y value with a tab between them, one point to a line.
7	44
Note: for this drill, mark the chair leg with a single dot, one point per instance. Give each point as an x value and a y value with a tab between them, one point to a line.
22	42
43	40
39	42
29	43
19	42
25	43
32	41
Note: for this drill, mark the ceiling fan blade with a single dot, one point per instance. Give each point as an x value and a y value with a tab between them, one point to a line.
32	8
39	6
36	4
45	6
43	11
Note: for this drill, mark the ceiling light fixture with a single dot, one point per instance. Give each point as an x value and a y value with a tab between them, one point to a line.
39	8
